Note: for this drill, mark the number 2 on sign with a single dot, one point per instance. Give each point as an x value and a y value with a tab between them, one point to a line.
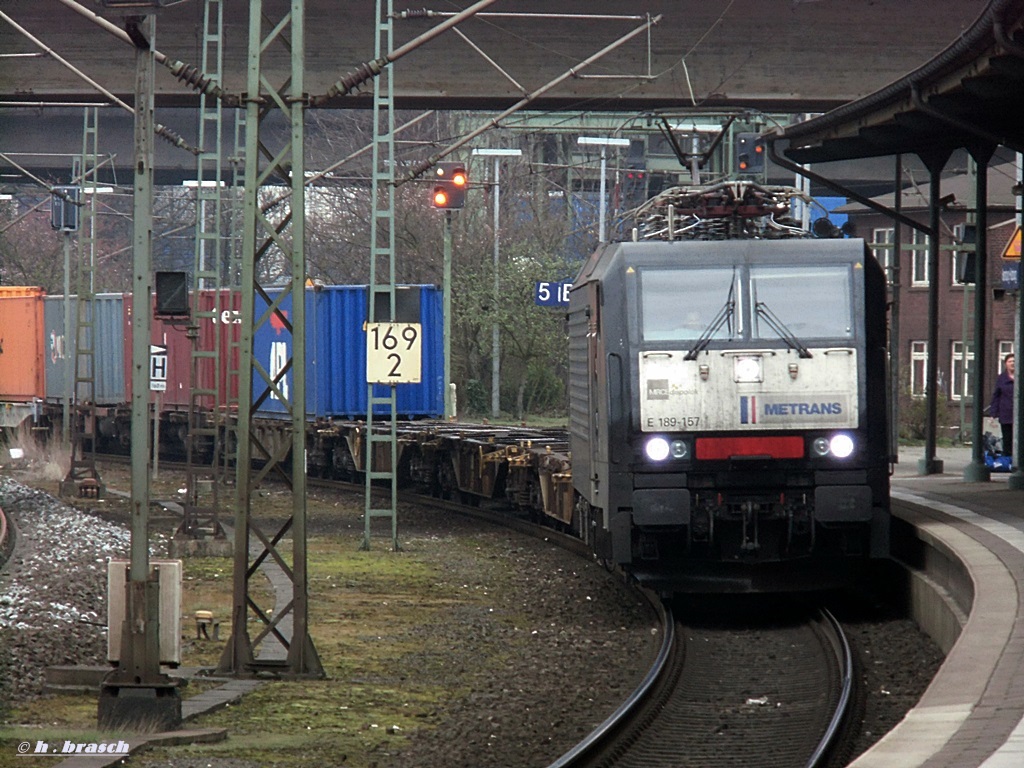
393	353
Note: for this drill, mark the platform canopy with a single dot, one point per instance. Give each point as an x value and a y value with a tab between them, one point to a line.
968	96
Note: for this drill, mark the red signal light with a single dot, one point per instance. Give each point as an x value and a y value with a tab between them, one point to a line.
750	153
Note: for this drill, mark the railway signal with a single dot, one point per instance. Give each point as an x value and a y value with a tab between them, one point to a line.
449	191
64	203
749	153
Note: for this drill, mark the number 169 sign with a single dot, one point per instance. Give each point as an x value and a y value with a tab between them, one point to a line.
393	353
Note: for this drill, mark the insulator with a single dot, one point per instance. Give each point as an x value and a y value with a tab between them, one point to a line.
415	13
193	77
176	139
350	82
190	75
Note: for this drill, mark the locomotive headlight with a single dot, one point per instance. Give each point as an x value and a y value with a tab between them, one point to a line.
820	446
657	449
660	448
841	446
747	369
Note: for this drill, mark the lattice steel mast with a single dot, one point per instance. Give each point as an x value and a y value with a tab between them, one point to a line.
83	476
264	239
208	370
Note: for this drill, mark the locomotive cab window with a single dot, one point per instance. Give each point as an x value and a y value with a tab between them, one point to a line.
686	303
811	302
757	301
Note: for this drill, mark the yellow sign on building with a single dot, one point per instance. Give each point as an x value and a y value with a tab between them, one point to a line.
1012	249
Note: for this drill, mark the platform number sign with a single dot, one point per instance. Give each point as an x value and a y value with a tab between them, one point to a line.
157	368
550	294
394	353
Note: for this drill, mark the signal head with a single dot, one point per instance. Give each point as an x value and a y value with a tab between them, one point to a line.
749	153
450	186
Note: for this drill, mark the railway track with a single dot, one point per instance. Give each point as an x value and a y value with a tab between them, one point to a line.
727	694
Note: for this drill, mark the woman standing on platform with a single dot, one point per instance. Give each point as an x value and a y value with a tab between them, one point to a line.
1001	406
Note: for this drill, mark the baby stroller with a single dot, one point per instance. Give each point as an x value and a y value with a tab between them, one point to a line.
995	459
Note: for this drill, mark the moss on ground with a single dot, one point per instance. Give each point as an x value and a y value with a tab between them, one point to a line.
367	611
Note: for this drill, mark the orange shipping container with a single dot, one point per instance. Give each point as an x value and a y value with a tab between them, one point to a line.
22	372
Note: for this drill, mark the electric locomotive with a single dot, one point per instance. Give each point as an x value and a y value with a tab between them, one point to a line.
728	416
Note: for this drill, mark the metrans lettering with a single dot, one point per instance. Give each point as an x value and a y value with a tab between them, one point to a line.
803	409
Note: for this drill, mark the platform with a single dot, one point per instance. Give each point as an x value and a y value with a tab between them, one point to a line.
973	712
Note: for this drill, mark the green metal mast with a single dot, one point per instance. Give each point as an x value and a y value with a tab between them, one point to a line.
265	239
382	449
204	478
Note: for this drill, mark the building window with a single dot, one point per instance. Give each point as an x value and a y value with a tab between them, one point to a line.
1005	348
881	249
961	368
959	254
919	270
918	368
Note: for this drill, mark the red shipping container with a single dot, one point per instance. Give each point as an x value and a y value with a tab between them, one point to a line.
22	362
170	361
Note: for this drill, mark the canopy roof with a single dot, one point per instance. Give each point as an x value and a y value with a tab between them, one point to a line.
967	96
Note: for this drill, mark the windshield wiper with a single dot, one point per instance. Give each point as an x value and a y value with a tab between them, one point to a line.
724	314
773	322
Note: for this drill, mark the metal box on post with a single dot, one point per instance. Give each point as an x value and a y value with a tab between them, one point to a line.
169	575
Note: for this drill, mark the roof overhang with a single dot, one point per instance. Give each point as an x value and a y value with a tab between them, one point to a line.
969	96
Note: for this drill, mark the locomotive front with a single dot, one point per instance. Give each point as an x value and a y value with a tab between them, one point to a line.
748	449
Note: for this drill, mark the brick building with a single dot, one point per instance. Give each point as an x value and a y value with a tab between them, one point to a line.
956	298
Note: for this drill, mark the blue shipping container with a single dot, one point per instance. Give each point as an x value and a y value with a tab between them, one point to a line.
108	323
336	355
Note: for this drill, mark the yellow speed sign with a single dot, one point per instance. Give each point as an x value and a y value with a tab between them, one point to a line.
394	353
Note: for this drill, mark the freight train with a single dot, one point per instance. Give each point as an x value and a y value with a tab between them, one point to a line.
727	425
40	361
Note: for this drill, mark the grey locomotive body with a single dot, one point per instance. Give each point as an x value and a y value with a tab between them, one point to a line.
728	411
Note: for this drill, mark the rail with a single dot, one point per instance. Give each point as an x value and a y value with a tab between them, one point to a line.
585	750
841	647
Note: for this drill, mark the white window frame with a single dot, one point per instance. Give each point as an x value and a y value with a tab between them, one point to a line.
958	256
919	258
961	368
1005	348
881	248
918	368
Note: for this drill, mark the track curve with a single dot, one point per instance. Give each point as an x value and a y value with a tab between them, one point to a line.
704	709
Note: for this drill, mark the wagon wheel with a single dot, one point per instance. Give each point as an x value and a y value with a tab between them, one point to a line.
447	483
